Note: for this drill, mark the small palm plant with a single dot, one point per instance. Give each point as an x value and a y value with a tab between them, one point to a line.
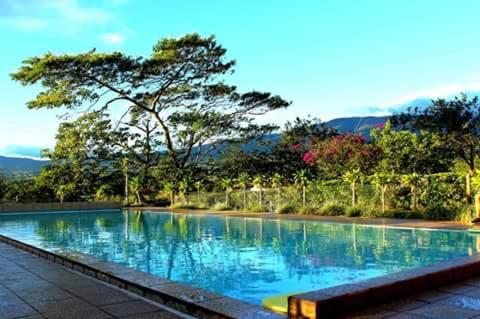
124	168
169	187
243	181
134	186
413	181
258	182
227	184
183	189
198	186
381	180
302	178
276	182
352	178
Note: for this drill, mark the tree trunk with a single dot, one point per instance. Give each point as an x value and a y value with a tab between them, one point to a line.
469	186
126	189
226	198
261	197
139	198
353	194
413	190
244	197
304	195
383	200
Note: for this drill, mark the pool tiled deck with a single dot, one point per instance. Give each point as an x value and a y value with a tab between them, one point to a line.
457	301
33	287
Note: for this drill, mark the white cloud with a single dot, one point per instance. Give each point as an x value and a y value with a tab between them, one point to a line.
112	38
69	16
27	24
436	92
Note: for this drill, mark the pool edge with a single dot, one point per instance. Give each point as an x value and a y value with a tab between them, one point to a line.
339	300
196	302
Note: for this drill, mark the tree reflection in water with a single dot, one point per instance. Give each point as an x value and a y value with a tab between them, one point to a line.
246	258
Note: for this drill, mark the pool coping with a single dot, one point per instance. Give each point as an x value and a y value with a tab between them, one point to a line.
193	301
376	221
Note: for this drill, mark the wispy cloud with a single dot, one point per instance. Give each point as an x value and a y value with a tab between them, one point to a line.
69	16
112	38
432	93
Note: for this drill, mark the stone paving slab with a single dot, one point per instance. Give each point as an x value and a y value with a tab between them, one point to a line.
32	287
458	301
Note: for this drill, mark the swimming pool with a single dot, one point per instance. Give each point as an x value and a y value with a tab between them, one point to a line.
244	258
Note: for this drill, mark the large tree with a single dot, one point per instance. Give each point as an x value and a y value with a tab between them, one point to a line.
456	121
181	86
407	152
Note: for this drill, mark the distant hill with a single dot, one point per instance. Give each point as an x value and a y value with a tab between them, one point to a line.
18	165
358	124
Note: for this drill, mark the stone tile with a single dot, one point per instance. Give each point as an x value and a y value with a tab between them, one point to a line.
473	282
78	314
7	298
154	315
461	301
129	308
373	313
439	311
61	305
405	316
91	290
431	296
229	307
400	305
103	299
47	295
16	311
458	288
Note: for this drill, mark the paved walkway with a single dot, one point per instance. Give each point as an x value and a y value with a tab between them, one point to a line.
457	301
32	287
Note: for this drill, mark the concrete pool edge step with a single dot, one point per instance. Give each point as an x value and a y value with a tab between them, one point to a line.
340	300
195	302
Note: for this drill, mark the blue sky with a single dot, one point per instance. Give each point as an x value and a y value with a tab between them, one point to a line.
331	58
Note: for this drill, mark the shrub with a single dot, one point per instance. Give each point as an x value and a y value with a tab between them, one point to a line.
189	206
287	209
256	208
354	211
333	209
439	212
307	210
465	214
220	206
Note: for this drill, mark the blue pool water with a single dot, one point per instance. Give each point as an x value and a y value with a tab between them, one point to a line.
244	258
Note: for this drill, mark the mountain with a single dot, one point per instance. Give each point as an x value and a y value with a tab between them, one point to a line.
358	124
18	165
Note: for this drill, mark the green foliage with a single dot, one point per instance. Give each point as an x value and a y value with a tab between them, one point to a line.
440	212
354	211
333	209
220	207
406	152
287	209
256	208
307	210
